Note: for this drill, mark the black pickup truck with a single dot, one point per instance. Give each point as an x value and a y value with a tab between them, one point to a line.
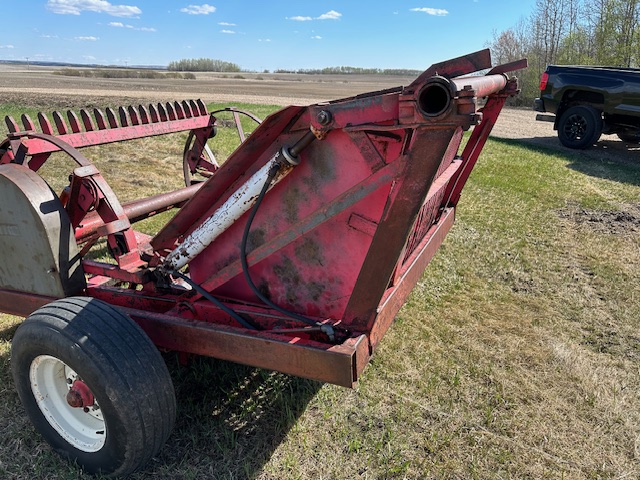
590	101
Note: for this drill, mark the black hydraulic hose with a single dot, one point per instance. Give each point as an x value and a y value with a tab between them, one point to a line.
232	313
328	329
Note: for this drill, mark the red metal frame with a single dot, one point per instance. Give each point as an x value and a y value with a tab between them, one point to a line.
341	240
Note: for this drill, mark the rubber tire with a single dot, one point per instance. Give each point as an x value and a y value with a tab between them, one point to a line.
580	126
120	365
630	138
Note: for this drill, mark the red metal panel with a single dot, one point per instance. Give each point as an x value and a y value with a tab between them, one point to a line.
22	304
426	153
326	363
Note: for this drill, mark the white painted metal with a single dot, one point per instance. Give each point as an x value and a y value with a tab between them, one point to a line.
51	380
236	205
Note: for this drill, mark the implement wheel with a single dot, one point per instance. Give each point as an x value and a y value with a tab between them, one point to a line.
197	168
580	127
93	385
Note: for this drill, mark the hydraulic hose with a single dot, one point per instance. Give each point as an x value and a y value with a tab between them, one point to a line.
232	313
327	329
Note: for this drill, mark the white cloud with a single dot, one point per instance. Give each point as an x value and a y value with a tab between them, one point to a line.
131	27
317	37
330	15
204	9
48	36
75	7
227	24
89	57
264	40
7	46
227	31
88	39
438	12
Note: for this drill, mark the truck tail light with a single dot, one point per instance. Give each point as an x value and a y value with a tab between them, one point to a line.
543	81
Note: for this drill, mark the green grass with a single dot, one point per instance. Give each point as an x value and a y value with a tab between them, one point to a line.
516	355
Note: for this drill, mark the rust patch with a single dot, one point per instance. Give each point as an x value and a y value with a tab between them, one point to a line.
312	184
322	165
264	289
309	252
287	273
315	290
292	198
256	238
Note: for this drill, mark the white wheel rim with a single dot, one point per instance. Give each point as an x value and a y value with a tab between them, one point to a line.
51	380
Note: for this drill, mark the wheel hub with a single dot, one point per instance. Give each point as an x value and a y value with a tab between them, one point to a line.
79	395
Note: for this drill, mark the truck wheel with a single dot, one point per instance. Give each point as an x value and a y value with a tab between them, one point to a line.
580	127
93	385
631	138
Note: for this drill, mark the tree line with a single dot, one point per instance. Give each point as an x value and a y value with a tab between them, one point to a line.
345	70
212	65
570	32
202	65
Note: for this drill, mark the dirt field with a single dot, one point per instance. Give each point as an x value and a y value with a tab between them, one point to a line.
37	86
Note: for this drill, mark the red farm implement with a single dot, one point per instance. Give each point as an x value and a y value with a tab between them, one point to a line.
293	255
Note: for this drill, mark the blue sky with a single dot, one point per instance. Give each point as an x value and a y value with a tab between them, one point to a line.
256	35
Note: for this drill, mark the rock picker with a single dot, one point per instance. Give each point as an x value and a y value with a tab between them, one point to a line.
293	255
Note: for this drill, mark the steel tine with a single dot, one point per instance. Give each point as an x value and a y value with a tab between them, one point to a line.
12	125
87	121
202	107
194	108
45	124
163	113
100	120
187	109
112	118
238	122
60	122
153	111
133	114
144	114
179	110
27	122
125	121
171	113
74	121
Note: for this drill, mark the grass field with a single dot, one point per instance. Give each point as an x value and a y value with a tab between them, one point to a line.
516	356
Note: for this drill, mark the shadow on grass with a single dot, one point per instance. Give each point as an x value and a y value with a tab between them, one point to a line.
231	418
608	159
6	333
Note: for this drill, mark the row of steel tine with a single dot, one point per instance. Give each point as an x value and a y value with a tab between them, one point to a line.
125	117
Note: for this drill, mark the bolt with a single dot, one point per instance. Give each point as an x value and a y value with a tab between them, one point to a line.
324	118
